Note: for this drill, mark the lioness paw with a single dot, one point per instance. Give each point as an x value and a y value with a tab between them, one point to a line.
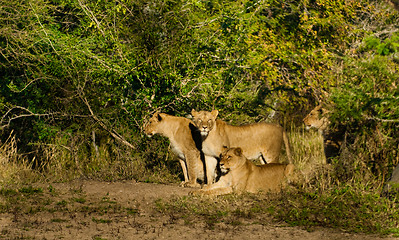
191	185
193	193
196	193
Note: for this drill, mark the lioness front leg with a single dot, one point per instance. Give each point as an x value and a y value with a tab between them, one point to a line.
223	186
214	190
210	165
184	168
194	165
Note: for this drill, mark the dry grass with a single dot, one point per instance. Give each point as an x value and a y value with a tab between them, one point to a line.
63	160
307	148
14	168
307	152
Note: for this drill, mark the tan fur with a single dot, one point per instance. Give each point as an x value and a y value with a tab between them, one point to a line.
256	140
242	175
317	119
180	131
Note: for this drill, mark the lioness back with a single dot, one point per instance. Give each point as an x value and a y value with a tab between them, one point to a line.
256	140
269	177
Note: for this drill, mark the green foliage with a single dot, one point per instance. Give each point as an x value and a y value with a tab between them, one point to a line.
384	48
76	74
371	90
30	190
366	105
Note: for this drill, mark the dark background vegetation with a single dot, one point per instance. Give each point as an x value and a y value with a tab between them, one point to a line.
80	78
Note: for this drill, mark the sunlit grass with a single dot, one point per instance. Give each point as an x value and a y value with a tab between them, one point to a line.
14	168
307	148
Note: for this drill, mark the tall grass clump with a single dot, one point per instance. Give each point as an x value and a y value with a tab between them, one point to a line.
346	193
14	168
307	147
109	161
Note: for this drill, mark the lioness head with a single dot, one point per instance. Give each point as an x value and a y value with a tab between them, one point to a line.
151	127
204	120
316	119
231	159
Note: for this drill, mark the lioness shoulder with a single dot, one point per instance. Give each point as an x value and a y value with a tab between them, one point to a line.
241	175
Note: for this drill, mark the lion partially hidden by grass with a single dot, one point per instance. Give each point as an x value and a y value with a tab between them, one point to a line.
241	175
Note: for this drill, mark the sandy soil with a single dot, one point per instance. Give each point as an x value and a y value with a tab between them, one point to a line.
143	223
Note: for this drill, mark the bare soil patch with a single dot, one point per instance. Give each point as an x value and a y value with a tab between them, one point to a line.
127	210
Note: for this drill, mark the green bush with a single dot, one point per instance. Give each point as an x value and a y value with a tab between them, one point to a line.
79	79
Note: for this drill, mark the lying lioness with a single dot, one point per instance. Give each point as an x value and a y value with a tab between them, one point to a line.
241	175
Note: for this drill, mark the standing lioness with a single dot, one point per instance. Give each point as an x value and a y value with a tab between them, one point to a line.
242	175
186	144
256	140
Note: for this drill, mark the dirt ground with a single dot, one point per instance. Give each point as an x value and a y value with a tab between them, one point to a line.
143	222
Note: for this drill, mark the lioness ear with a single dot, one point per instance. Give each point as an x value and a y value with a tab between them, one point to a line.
193	112
225	149
238	152
159	117
324	111
215	113
317	108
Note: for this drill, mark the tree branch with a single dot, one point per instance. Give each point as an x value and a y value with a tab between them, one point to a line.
12	118
91	15
381	120
112	132
6	119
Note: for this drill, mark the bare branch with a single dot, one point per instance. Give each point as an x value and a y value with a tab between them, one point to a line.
382	120
27	114
112	132
8	117
6	120
90	14
44	30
